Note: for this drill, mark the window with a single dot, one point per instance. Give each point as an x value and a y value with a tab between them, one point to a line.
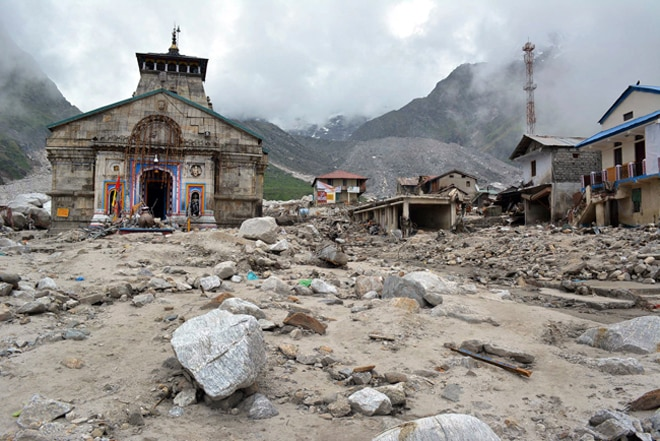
618	156
576	155
467	183
344	182
627	116
637	200
533	168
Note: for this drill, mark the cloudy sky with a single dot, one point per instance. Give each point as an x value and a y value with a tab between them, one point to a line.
305	60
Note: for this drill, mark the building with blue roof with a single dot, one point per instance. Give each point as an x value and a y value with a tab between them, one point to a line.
164	150
625	190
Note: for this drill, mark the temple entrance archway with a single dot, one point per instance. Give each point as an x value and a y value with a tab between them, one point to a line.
157	193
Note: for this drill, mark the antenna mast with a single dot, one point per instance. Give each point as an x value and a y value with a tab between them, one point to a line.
528	48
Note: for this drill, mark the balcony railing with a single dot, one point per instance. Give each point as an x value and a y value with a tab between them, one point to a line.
616	173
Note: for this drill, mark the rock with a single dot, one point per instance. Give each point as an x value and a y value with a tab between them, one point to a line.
279	247
409	305
10	278
433	285
398	287
75	334
118	290
38	306
40	218
518	356
275	284
290	351
259	407
225	270
41	410
619	366
5	288
186	397
613	425
365	284
395	377
224	352
210	283
340	407
443	427
47	283
452	392
5	313
240	306
369	401
332	255
640	335
303	320
260	228
92	298
142	299
159	284
396	393
321	287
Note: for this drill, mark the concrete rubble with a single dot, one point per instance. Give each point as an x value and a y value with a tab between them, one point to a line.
285	316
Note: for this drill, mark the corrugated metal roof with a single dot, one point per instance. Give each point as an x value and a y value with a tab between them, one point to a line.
547	141
340	174
148	94
620	128
624	95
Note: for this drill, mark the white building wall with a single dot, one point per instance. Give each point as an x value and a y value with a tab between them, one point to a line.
640	103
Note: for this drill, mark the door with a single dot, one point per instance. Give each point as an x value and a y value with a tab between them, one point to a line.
157	191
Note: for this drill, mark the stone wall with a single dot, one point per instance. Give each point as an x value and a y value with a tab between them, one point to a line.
567	168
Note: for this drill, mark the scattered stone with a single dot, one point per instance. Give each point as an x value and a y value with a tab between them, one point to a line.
332	255
73	363
408	305
159	284
279	247
640	335
41	410
10	278
95	298
365	284
276	285
290	351
619	366
305	321
260	228
75	334
5	288
396	393
47	283
443	427
340	407
259	407
452	392
398	287
142	299
210	283
240	306
224	352
319	286
434	286
186	397
225	270
369	401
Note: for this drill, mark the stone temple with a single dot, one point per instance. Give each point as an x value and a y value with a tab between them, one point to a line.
164	148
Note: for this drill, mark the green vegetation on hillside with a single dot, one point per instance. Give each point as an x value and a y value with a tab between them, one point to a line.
281	186
14	164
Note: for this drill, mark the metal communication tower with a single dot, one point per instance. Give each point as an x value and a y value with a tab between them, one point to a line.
528	48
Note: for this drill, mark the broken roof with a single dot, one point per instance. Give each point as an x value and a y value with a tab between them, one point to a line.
408	181
546	141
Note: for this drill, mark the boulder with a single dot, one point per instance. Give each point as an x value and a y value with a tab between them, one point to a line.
399	287
275	284
40	217
369	401
443	427
260	228
433	285
223	352
225	270
332	255
640	335
210	283
322	287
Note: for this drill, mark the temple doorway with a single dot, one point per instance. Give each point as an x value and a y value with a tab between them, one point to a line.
157	191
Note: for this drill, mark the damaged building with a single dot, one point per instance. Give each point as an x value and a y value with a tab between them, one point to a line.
552	169
163	150
625	189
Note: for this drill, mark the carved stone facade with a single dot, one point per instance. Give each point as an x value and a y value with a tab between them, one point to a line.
164	148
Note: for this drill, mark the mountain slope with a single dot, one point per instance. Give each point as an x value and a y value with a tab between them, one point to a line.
475	106
29	101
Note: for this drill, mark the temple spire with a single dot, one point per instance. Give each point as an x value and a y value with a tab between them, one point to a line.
174	49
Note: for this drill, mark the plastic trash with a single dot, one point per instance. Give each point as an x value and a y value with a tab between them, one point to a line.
252	276
305	282
80	279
